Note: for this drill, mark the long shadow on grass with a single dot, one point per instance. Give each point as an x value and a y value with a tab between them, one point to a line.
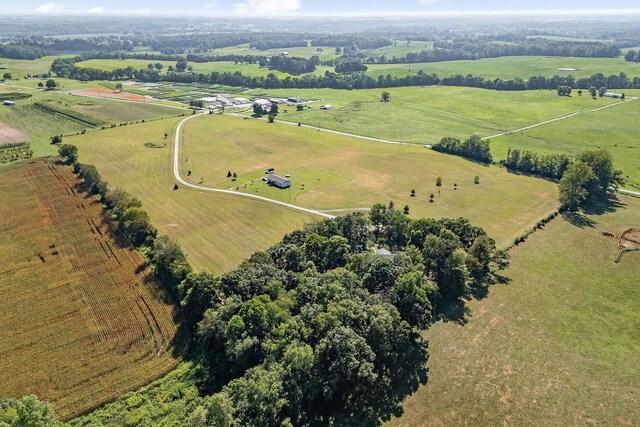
581	219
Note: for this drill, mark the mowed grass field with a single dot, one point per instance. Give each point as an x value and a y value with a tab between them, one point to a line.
83	319
335	172
615	129
558	345
507	67
510	67
424	115
252	70
216	231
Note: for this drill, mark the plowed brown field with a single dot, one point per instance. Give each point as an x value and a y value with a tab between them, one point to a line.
82	320
9	135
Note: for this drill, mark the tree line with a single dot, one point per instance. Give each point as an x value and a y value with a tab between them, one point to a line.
632	56
65	67
549	165
472	50
474	148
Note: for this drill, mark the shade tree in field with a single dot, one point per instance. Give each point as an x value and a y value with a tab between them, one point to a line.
68	152
573	185
51	84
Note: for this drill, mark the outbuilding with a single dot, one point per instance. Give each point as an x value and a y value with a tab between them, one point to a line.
7	102
383	253
278	181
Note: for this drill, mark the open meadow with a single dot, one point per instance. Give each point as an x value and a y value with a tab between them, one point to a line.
614	129
424	115
216	231
510	67
83	318
335	172
558	345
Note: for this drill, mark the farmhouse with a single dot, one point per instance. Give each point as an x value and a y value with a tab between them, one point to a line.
7	102
278	181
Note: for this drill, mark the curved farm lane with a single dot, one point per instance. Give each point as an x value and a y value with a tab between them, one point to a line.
176	173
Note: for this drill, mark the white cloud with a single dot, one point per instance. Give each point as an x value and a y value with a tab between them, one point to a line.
208	4
97	9
50	8
267	7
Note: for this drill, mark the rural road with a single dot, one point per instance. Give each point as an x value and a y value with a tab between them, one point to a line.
176	173
577	113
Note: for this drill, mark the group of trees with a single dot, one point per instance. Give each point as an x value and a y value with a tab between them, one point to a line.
564	90
589	178
301	333
549	165
474	148
350	66
18	51
632	56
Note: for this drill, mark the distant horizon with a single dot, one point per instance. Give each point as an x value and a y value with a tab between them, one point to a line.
324	8
620	13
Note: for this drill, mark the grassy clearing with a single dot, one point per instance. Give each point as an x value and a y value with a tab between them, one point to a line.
559	345
83	319
401	48
340	172
217	231
253	70
615	129
424	115
326	52
510	67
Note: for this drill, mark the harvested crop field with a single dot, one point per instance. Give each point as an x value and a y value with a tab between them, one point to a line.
83	320
9	135
108	93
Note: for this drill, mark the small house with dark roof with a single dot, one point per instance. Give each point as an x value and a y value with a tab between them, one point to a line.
278	181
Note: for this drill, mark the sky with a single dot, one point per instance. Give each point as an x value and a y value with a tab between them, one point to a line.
319	7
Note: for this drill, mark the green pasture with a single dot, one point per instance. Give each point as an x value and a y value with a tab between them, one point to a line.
326	52
334	172
425	115
616	129
216	231
558	345
510	67
252	70
400	48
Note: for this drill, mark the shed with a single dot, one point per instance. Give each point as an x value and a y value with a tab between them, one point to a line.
278	181
7	102
384	253
326	107
262	102
294	99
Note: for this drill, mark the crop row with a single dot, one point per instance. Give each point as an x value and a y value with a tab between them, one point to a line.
73	115
95	316
14	96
